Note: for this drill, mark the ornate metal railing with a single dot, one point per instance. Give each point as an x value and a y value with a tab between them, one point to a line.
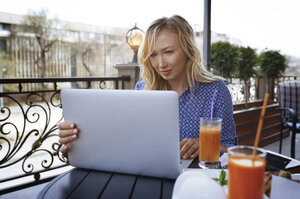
30	110
237	88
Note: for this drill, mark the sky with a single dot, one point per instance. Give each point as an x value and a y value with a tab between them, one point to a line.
260	24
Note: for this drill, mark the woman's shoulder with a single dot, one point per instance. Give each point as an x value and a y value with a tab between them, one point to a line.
140	85
219	84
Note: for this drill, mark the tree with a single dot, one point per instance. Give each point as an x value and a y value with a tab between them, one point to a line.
44	32
86	50
247	62
272	65
224	59
7	70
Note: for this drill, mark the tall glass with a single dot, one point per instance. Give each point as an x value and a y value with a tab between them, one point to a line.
246	173
209	142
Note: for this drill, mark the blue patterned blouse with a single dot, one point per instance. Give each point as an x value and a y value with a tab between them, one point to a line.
192	108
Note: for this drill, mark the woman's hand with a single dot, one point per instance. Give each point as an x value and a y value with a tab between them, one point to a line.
67	133
189	148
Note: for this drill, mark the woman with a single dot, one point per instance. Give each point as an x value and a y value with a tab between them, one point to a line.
170	60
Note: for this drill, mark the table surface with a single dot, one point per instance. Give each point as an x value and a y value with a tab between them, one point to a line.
84	183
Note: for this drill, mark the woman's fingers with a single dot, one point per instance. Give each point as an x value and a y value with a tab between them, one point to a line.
66	140
189	149
66	125
185	147
67	133
182	143
195	154
64	149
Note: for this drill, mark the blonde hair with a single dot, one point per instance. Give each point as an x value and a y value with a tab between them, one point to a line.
195	72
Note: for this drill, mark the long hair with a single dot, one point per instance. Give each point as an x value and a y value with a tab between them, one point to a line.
195	72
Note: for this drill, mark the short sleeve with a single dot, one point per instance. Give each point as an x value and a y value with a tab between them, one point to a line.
140	85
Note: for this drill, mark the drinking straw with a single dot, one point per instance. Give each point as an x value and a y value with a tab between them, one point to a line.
212	104
260	124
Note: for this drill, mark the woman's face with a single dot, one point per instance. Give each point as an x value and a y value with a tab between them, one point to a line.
168	58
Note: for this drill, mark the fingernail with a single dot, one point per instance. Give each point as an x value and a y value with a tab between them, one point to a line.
74	136
75	130
65	147
71	125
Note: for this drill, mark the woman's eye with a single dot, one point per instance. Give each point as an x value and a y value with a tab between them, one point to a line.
153	55
169	52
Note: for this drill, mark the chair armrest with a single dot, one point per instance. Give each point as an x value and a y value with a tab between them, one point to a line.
292	112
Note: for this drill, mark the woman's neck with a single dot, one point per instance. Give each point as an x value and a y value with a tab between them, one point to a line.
178	86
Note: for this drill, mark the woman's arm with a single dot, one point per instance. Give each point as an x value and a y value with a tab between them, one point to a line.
224	109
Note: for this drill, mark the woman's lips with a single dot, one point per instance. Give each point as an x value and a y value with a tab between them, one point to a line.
165	72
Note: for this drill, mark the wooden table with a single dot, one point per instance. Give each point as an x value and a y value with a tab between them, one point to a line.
84	183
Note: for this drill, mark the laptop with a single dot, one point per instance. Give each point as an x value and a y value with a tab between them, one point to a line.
126	131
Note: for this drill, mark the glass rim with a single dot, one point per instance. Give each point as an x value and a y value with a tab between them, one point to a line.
262	153
213	118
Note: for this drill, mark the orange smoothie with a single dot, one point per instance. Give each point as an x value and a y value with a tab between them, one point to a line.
246	177
209	143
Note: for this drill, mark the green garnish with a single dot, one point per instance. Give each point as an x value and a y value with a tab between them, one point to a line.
221	178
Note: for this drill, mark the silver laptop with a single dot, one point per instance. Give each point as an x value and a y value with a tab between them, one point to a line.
127	131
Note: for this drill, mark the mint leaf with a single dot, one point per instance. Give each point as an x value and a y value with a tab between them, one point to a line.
222	178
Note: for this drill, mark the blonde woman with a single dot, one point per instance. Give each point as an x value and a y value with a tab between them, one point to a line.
170	60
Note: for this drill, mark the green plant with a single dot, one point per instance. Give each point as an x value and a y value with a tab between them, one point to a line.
224	59
247	61
7	70
272	65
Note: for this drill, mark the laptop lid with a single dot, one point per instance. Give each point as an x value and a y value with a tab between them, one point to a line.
127	131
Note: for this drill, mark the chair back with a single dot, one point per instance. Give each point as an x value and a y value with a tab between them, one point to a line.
289	96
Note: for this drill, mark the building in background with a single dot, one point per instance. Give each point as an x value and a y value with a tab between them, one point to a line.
81	49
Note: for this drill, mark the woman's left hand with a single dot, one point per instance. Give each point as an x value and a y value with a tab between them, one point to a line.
189	148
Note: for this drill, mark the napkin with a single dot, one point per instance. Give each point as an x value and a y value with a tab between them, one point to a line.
196	184
284	188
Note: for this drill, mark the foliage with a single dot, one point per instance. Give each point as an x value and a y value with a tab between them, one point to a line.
272	63
247	61
44	31
224	59
7	70
6	65
222	178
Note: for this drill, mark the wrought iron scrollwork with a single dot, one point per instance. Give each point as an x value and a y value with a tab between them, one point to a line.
102	84
33	140
29	126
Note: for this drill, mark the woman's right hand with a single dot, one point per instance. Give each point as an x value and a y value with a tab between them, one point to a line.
67	133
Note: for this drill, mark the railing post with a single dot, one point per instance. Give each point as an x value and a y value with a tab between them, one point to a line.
117	84
89	84
132	70
123	84
20	87
55	86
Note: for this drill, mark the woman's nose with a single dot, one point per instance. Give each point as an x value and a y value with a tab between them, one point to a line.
161	61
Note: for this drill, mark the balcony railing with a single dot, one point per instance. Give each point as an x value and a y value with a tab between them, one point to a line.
30	110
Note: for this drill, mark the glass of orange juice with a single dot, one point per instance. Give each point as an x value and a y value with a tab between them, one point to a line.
246	172
209	142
